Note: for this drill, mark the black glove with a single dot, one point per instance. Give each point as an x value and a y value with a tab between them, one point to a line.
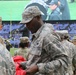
23	65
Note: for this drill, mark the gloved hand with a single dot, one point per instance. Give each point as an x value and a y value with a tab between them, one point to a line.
23	65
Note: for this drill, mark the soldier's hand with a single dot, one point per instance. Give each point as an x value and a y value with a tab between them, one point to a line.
32	70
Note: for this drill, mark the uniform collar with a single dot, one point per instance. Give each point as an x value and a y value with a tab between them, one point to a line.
38	32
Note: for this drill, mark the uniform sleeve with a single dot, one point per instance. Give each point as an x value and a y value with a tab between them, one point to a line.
58	56
52	66
4	67
74	59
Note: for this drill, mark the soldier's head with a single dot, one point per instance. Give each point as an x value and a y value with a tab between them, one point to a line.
64	35
31	17
24	42
74	40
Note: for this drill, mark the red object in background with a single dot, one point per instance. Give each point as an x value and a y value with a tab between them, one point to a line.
1	23
18	60
1	27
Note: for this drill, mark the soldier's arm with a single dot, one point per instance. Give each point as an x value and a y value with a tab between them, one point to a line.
54	65
58	57
74	60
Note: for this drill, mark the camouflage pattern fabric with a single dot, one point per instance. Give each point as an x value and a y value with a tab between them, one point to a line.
48	53
22	52
7	66
71	50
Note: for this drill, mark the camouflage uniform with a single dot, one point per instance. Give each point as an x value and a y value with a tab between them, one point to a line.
23	52
70	49
7	66
23	48
47	53
74	59
71	53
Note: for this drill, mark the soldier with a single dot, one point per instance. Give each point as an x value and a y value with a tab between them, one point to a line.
74	62
47	56
7	66
23	47
70	48
74	40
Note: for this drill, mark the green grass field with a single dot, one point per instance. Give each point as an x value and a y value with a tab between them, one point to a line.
12	51
12	10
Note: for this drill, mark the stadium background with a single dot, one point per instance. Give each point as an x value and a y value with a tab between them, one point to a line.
11	11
